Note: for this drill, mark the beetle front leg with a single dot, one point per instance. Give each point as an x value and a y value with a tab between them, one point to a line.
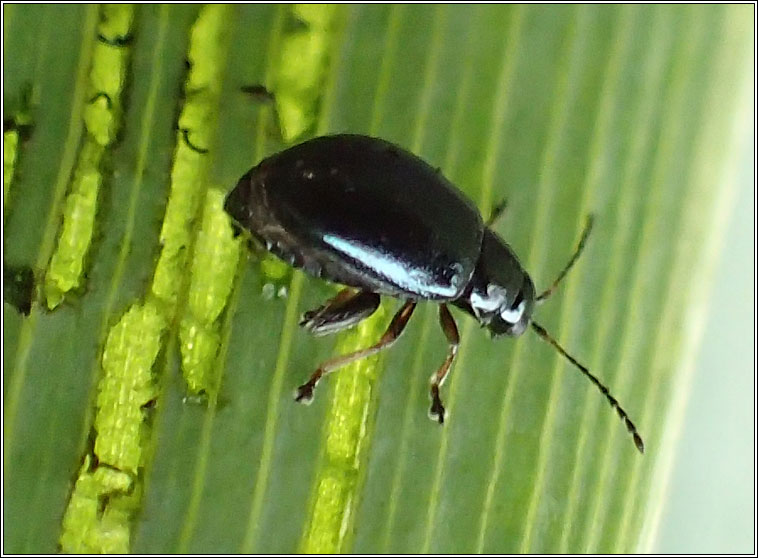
341	312
498	212
437	411
396	327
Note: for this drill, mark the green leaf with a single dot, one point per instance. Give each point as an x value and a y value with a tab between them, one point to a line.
148	394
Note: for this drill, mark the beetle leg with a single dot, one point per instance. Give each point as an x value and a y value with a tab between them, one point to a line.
437	412
396	327
497	212
341	312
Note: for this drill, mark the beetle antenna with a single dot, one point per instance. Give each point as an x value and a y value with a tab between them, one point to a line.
586	233
612	400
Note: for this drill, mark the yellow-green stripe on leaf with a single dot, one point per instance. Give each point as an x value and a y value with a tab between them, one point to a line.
193	141
127	385
300	72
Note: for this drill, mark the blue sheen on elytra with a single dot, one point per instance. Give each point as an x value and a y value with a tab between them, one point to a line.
393	269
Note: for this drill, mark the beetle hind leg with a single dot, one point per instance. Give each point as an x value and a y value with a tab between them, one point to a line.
341	312
396	327
437	411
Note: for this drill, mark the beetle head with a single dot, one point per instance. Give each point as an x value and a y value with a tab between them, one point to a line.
500	294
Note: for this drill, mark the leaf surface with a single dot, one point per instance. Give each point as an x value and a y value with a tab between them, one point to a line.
621	112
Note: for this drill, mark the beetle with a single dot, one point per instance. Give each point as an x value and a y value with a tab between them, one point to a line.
367	214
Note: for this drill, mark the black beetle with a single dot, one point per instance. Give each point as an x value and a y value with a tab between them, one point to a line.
365	213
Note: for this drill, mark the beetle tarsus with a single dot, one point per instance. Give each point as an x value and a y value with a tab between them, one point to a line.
437	411
304	393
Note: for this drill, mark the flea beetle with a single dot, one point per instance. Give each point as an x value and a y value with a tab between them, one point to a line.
367	214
